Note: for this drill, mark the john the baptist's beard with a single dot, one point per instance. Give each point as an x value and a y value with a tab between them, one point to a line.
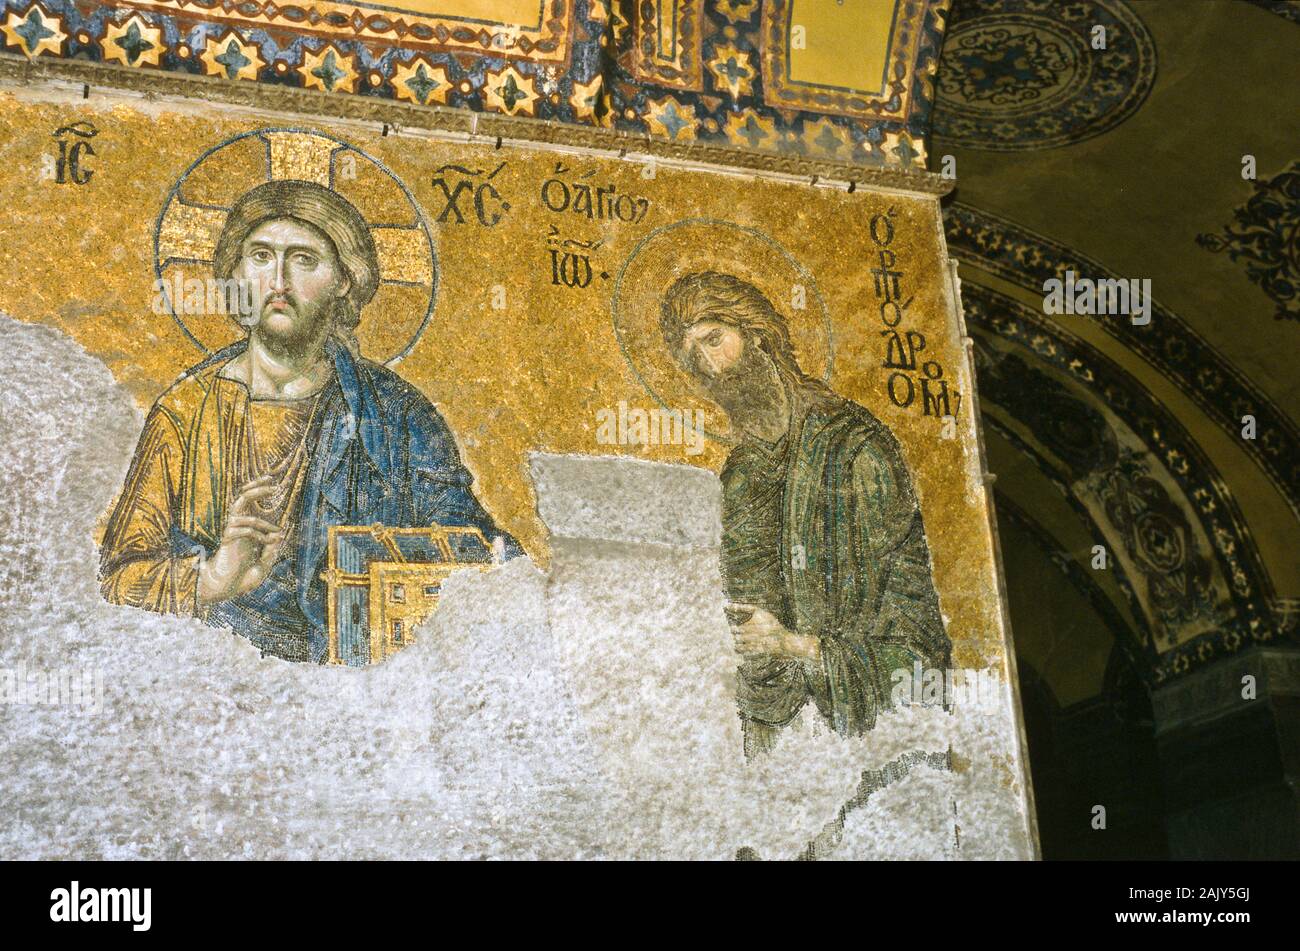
750	391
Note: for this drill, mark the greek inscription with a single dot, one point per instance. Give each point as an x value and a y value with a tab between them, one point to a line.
595	203
69	166
489	207
911	374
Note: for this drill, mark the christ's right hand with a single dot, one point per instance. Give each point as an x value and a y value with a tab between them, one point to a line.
248	550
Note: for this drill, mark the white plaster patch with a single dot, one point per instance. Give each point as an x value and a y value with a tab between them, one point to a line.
588	712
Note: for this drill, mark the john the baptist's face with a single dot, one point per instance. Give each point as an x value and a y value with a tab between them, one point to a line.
296	277
711	348
737	373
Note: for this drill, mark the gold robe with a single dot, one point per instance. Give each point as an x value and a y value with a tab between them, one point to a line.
203	440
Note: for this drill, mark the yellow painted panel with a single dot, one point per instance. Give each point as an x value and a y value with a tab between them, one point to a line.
846	43
519	12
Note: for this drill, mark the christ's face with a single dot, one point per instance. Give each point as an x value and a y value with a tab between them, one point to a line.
296	277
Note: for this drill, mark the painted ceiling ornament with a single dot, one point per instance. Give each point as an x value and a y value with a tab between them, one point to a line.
667	48
737	11
328	70
1157	536
539	31
1126	466
195	210
740	73
671	120
857	60
825	137
1005	67
421	82
134	42
591	102
708	244
34	31
1029	74
1266	237
750	129
1286	9
510	91
231	57
732	70
1027	259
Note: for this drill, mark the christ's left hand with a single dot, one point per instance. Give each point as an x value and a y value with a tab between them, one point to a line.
762	633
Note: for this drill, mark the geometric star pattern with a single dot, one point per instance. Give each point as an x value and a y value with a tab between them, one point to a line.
34	32
727	103
134	42
231	57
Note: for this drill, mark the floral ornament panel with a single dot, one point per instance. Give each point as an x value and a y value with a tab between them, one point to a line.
1266	238
1034	74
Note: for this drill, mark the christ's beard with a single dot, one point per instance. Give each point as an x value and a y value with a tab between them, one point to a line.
752	393
291	332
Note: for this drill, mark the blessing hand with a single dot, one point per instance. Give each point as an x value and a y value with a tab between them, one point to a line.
249	548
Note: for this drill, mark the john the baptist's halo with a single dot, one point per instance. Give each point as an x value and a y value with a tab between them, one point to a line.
707	244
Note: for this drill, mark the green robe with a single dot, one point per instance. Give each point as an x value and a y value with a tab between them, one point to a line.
824	531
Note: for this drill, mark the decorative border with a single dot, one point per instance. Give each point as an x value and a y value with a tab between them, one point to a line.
1286	9
547	40
893	101
286	99
714	94
1219	389
680	23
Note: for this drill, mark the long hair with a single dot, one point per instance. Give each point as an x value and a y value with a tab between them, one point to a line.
324	211
712	295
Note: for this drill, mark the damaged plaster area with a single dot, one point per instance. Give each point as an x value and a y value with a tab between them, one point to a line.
587	712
